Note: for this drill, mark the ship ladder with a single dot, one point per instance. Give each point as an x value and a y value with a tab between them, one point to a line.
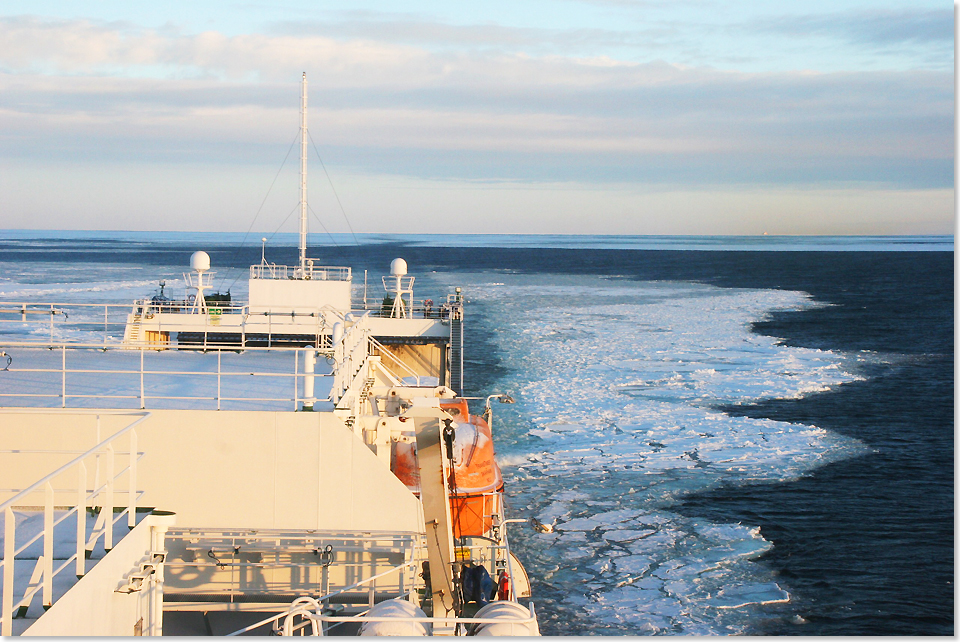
132	331
456	353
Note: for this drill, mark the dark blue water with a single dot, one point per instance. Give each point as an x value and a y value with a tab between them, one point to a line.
864	545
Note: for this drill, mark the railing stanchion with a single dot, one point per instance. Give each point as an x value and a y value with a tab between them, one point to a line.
142	400
219	352
81	516
96	458
48	546
9	532
63	375
296	384
107	505
132	493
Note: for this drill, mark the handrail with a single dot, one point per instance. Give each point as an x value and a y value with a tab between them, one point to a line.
382	349
318	600
347	362
76	460
127	376
298	608
45	563
310	272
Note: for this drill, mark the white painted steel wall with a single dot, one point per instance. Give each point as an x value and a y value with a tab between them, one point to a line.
94	607
237	469
295	294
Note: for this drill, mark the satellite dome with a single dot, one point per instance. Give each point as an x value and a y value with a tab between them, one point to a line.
398	267
200	261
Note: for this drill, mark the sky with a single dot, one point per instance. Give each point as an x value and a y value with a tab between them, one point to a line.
542	116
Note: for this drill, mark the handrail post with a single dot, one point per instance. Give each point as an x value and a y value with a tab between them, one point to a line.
142	401
107	505
219	352
9	532
309	368
81	517
63	373
96	458
132	493
296	374
48	547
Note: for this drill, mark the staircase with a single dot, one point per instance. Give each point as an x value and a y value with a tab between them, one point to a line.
456	349
131	333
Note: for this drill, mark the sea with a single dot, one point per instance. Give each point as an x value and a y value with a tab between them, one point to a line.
719	435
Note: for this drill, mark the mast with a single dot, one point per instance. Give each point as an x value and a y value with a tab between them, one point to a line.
303	175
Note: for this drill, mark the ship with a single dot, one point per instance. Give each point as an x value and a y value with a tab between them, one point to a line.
299	463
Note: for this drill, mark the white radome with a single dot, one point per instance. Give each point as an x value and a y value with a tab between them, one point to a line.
200	262
398	267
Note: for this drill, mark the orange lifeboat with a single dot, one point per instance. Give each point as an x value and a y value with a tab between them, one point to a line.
476	481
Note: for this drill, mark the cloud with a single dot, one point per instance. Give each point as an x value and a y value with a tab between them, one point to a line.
115	92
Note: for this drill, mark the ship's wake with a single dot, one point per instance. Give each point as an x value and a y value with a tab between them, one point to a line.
618	387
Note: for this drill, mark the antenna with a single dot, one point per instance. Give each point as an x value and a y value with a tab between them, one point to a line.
200	280
401	284
303	175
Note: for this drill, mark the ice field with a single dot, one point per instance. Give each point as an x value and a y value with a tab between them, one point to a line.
617	386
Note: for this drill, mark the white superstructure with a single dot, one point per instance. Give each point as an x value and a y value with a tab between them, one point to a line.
295	464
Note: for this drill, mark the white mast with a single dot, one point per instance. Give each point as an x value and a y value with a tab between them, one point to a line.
303	176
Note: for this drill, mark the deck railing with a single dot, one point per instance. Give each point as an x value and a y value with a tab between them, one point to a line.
102	495
141	373
310	272
141	381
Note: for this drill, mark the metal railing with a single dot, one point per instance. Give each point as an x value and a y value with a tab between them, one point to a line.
311	613
384	352
149	307
318	603
65	380
58	317
110	324
311	272
101	495
350	357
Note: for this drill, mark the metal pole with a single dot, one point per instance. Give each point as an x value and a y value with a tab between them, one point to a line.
303	175
48	547
107	506
132	495
309	368
142	401
81	517
96	458
219	352
63	372
9	532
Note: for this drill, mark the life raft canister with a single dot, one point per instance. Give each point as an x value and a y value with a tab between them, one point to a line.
476	478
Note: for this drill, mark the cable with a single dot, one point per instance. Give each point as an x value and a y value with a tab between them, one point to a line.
332	240
270	238
260	209
342	211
